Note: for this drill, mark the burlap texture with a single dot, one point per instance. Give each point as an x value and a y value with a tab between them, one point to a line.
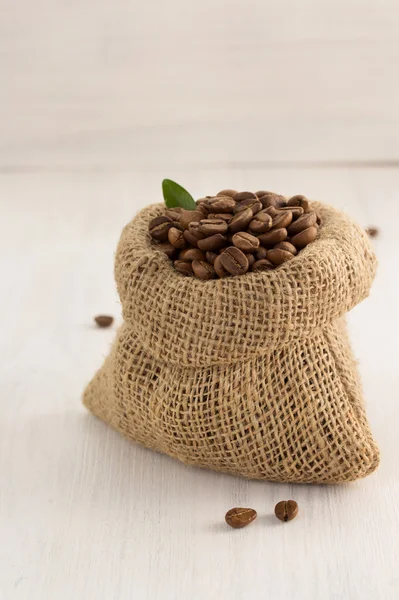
251	375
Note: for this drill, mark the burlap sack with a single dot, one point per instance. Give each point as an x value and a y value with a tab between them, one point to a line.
251	375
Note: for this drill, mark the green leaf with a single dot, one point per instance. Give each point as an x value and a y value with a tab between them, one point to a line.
175	195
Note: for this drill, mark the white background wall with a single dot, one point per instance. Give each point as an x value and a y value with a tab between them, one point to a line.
125	83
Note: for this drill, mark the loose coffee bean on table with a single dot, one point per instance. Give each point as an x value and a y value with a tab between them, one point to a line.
372	231
104	320
235	232
286	510
240	517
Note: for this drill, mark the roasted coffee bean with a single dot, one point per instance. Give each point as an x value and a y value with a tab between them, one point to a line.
241	220
212	243
189	216
176	238
243	196
269	199
287	246
252	203
167	248
273	237
211	226
202	206
271	210
211	257
261	193
234	261
296	200
224	216
183	266
300	201
173	213
230	193
262	265
104	320
217	265
307	220
159	228
203	270
192	254
282	219
261	253
372	231
278	256
221	204
305	237
261	223
246	242
177	225
286	510
192	237
296	211
240	517
251	261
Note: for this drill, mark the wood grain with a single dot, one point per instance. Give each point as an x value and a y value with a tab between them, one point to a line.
86	514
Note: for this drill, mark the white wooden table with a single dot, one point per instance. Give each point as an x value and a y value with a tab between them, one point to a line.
86	514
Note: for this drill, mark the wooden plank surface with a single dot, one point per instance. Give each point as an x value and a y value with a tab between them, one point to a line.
86	514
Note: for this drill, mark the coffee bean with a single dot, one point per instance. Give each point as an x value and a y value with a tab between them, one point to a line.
192	237
240	517
189	216
221	204
192	254
159	228
287	246
183	266
296	211
251	261
173	213
261	253
269	199
296	200
271	210
176	238
203	270
286	510
282	219
230	193
270	238
300	201
211	226
245	241
212	243
211	257
234	261
177	225
104	320
202	206
278	256
243	196
224	216
262	265
217	265
261	193
166	248
372	231
305	237
252	203
307	220
261	223
241	220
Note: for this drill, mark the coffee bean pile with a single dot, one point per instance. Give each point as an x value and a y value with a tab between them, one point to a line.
235	232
